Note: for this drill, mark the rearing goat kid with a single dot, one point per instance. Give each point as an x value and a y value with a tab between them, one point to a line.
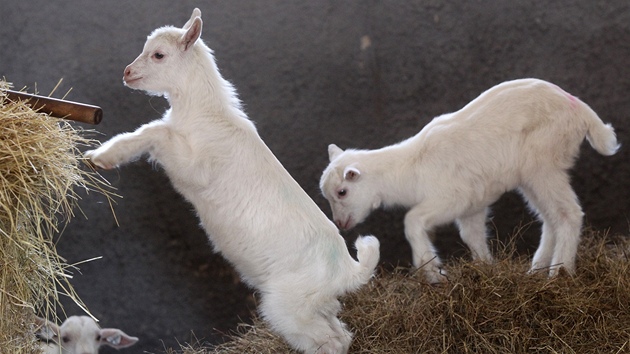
254	212
521	134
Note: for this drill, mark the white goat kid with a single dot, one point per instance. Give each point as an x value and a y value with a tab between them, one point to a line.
522	134
253	211
79	335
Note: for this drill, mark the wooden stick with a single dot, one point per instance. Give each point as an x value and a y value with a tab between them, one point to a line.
78	112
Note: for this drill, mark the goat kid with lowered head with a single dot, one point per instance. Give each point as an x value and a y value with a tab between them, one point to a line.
79	335
254	213
522	134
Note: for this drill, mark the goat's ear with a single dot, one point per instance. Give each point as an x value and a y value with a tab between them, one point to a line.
46	330
116	338
192	34
333	151
196	13
351	174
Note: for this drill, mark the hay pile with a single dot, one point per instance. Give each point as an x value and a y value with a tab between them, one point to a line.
40	167
484	309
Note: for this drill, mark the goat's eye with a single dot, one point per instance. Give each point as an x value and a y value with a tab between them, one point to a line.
98	337
65	339
158	55
342	193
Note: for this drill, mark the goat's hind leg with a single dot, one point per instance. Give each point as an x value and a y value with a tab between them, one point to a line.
552	197
309	326
473	232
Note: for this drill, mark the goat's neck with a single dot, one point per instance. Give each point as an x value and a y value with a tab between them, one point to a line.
206	94
390	166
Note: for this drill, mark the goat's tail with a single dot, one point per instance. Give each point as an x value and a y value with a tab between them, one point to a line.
368	255
601	136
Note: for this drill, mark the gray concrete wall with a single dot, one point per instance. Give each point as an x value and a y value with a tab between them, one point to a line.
306	82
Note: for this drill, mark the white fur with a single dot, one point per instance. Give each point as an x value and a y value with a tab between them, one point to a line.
521	134
253	211
79	335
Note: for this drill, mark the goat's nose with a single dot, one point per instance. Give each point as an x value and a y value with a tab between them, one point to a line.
127	72
339	224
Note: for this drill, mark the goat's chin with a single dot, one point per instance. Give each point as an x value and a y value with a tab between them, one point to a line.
139	84
134	86
155	93
132	83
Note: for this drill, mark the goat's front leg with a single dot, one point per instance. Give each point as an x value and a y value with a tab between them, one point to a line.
423	253
127	147
473	231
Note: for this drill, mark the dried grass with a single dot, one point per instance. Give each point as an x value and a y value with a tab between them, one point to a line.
40	168
483	308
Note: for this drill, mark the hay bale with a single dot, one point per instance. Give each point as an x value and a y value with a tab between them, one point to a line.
40	168
483	309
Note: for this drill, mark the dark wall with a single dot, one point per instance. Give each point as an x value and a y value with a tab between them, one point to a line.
306	81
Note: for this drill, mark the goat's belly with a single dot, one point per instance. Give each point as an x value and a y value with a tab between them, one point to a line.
263	240
468	197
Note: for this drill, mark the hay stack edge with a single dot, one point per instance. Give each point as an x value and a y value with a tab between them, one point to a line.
41	170
484	308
